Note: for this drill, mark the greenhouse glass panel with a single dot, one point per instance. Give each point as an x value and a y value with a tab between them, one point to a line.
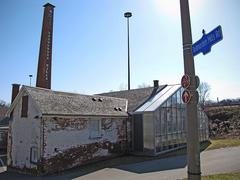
179	98
169	113
153	99
174	112
159	99
158	123
169	119
163	121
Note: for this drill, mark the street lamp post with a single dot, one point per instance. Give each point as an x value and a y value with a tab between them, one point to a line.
30	76
193	147
128	15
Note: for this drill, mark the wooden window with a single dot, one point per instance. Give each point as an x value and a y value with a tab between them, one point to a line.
24	106
95	128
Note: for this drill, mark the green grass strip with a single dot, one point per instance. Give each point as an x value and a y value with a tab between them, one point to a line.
223	143
226	176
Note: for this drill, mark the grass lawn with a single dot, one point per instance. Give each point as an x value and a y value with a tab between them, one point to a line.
222	143
227	176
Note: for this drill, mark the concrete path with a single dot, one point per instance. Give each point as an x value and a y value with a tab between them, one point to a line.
212	162
172	168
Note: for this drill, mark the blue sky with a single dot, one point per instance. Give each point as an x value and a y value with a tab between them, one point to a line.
90	44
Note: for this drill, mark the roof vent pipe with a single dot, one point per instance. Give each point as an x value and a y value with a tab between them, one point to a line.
155	84
15	91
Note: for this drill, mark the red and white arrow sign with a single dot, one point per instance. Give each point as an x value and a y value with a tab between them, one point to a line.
186	96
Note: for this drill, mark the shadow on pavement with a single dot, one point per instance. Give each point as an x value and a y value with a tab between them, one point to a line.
17	176
135	164
140	167
173	160
156	165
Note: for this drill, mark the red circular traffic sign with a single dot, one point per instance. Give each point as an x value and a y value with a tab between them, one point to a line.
186	96
185	81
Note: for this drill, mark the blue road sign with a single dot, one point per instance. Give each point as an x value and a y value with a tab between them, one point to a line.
207	41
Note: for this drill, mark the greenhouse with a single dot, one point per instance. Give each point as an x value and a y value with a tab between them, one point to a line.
159	125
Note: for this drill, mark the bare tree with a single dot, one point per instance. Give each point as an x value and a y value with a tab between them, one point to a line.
4	106
143	85
122	87
204	92
2	103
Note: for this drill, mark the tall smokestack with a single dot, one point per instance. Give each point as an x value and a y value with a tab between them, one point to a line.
15	91
45	53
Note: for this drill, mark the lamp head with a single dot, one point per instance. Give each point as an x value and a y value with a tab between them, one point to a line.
127	14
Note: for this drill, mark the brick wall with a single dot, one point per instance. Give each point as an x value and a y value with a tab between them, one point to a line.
67	141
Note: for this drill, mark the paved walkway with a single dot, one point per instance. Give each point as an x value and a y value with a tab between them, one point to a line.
212	162
172	168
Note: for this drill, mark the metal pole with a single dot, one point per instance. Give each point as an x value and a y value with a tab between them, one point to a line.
193	148
128	55
128	15
30	76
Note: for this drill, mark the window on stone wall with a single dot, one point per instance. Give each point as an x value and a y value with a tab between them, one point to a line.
95	128
24	112
34	155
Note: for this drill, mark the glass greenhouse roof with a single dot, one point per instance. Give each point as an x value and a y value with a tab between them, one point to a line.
157	100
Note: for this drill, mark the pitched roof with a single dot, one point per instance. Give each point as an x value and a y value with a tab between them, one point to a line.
135	97
62	103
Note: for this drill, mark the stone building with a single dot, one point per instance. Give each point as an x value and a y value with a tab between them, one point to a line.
51	131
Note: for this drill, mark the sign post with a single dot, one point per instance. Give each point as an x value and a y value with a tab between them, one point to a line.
193	149
191	82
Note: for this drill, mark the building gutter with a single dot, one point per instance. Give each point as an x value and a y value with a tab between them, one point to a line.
85	116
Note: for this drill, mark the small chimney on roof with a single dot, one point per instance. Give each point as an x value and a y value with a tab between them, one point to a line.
15	91
155	84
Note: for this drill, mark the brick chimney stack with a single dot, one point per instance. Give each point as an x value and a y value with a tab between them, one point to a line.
15	91
45	52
